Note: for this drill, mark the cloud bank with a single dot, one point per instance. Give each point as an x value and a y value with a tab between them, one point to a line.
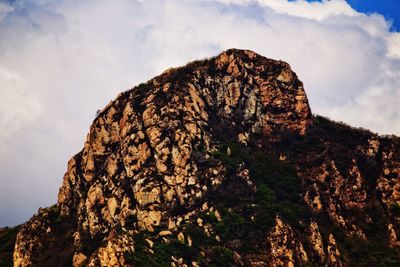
62	60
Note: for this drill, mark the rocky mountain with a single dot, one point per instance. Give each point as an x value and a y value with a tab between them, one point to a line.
221	163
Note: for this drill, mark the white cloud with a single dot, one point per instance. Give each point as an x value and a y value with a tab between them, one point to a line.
62	60
5	8
311	10
394	45
301	8
18	106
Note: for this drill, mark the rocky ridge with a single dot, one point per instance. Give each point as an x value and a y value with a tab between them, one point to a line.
221	163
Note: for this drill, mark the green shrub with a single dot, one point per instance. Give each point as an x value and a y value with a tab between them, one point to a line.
7	241
162	252
395	209
278	189
221	256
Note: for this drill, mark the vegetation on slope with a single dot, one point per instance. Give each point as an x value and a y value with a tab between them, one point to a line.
7	241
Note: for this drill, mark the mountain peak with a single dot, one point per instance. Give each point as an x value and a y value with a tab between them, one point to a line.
203	161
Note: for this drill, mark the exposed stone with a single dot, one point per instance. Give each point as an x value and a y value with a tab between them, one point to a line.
286	250
315	239
393	240
333	252
113	253
286	75
242	138
161	167
112	206
79	260
164	233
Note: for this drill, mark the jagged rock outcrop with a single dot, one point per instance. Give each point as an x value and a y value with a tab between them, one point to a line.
286	248
220	162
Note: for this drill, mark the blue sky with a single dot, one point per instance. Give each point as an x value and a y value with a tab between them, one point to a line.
390	9
62	60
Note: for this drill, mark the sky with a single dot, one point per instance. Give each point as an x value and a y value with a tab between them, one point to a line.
62	60
390	9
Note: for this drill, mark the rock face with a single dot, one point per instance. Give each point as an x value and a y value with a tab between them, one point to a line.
221	162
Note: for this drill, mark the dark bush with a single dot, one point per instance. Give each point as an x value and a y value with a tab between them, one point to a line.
7	241
221	256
